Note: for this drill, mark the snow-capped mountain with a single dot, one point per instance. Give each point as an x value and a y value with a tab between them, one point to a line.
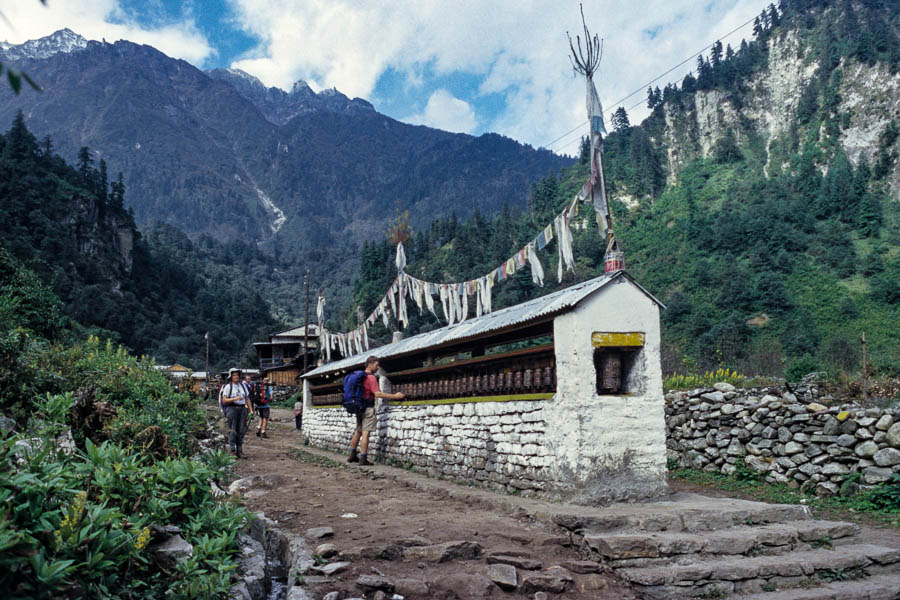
64	40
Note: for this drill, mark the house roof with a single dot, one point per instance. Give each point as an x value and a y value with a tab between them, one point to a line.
520	314
298	331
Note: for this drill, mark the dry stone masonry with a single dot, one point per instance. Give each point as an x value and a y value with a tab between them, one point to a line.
497	443
789	437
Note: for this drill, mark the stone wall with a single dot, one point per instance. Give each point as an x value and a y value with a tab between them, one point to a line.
499	444
789	437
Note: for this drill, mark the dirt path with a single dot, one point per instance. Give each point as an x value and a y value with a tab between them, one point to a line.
319	491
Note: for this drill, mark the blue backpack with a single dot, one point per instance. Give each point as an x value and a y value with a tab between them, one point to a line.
354	401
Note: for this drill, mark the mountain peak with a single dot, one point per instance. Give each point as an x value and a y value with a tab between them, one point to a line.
64	40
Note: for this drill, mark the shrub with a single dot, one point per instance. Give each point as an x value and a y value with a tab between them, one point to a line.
77	524
799	367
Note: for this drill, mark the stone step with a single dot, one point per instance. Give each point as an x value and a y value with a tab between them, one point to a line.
693	514
759	539
745	574
881	587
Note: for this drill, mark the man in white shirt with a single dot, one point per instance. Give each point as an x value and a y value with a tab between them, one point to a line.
234	396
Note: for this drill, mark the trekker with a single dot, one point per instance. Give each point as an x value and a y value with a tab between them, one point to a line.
298	415
262	397
234	396
365	421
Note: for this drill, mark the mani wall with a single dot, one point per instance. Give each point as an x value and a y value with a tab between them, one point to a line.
788	437
573	444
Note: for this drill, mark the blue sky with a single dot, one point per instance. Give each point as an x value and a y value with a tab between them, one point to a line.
468	66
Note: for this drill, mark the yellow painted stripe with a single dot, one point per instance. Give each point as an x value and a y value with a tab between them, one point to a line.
507	398
632	339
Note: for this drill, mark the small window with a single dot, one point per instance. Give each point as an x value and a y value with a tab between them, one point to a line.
617	360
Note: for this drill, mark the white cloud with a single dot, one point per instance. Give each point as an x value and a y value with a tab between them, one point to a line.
101	19
518	47
447	112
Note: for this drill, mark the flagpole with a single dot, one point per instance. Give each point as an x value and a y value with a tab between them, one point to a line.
206	373
306	327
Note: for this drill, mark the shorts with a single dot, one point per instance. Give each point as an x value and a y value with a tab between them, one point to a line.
263	411
365	421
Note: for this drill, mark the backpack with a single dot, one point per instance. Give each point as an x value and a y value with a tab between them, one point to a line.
254	393
354	401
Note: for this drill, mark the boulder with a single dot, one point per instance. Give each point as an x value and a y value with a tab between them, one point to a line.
522	562
723	386
331	568
816	407
581	566
875	475
887	457
411	588
893	435
554	581
326	550
462	586
256	482
317	533
439	553
504	576
884	423
716	397
171	552
374	582
866	449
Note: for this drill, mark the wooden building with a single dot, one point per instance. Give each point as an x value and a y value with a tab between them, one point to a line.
286	347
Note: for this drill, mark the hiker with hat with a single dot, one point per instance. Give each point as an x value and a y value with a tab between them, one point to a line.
262	398
234	397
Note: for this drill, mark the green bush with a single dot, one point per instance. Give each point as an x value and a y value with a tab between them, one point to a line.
799	367
77	523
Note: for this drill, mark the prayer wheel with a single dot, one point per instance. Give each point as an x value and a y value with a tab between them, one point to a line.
612	372
527	378
508	381
492	382
517	381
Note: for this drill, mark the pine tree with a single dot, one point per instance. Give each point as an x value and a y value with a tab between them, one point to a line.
85	164
688	84
757	28
650	98
773	17
870	215
620	120
20	143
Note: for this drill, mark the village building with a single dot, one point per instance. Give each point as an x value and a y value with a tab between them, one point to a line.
560	396
286	347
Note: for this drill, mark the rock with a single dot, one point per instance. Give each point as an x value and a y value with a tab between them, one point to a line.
171	552
834	468
815	407
849	426
893	435
827	488
866	449
555	583
298	593
784	435
443	552
540	596
792	448
413	540
887	457
735	448
522	562
863	434
374	582
728	409
256	482
875	475
462	586
716	397
317	533
504	576
843	415
832	426
581	566
7	425
331	568
326	550
332	596
884	423
591	584
723	386
411	588
846	440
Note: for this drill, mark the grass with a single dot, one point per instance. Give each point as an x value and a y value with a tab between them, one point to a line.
309	457
854	508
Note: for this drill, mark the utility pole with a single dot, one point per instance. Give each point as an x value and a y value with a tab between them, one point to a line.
206	373
306	328
865	370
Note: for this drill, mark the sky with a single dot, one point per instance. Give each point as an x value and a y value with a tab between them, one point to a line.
461	65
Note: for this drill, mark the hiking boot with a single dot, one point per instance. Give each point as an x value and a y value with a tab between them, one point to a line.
364	461
237	453
264	435
257	433
232	452
354	457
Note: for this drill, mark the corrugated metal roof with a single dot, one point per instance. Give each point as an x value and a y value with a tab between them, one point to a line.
500	319
298	331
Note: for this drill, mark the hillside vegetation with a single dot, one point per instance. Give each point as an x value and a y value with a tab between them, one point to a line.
773	254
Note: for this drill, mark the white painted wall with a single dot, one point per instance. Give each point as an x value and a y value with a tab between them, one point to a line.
607	447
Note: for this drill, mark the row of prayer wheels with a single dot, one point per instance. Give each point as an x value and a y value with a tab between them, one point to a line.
509	381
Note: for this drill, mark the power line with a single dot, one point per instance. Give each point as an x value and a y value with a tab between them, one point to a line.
652	81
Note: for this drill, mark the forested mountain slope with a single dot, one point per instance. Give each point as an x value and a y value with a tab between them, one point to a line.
70	227
762	206
218	153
